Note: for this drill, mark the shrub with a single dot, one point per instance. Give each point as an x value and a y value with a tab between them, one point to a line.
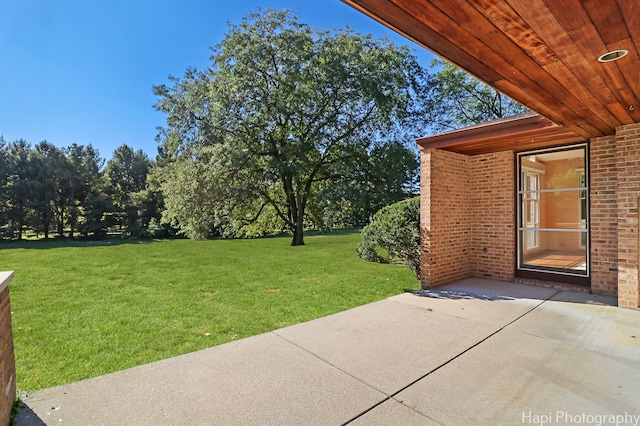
394	235
156	229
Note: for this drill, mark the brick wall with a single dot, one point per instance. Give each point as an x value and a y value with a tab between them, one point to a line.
628	167
604	215
493	209
468	216
7	360
425	218
445	211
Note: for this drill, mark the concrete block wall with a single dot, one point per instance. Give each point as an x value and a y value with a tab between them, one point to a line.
7	357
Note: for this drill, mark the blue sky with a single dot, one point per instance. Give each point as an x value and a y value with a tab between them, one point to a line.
78	71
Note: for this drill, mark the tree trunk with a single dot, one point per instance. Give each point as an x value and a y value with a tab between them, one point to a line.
298	232
60	226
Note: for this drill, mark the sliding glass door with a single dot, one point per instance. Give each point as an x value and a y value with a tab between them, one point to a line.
553	217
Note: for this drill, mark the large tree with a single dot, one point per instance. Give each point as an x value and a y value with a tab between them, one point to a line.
4	182
282	108
83	176
126	175
49	165
19	186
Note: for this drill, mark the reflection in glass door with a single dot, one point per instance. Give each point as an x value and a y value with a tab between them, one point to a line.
583	209
553	200
531	208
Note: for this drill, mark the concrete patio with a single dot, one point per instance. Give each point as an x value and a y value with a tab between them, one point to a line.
473	352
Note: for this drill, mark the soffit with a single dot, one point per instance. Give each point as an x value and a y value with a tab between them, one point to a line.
541	53
523	132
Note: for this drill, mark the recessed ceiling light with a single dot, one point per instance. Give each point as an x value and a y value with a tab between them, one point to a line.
614	55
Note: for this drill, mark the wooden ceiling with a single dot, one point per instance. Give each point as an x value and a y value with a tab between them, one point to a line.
542	53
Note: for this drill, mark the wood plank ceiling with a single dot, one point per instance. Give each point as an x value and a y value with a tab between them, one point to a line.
542	53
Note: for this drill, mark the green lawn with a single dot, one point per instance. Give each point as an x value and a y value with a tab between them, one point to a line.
82	309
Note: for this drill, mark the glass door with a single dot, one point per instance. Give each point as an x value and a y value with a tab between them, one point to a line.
553	217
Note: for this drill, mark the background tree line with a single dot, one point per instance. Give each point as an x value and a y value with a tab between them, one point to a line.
71	192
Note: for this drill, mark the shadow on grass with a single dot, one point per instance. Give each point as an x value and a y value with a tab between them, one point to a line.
54	243
318	233
59	242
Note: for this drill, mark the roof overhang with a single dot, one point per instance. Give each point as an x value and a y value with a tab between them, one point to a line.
523	132
543	54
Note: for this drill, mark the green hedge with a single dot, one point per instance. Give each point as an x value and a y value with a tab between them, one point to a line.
394	235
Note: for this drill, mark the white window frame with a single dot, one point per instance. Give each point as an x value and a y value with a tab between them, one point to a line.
531	198
582	177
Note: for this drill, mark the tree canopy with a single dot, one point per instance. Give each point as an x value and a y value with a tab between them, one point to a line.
455	99
282	109
127	186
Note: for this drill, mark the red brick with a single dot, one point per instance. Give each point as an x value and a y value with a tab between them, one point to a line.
7	366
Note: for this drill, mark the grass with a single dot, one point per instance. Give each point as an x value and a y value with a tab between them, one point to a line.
82	309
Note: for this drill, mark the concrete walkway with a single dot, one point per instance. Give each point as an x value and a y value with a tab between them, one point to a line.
478	352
